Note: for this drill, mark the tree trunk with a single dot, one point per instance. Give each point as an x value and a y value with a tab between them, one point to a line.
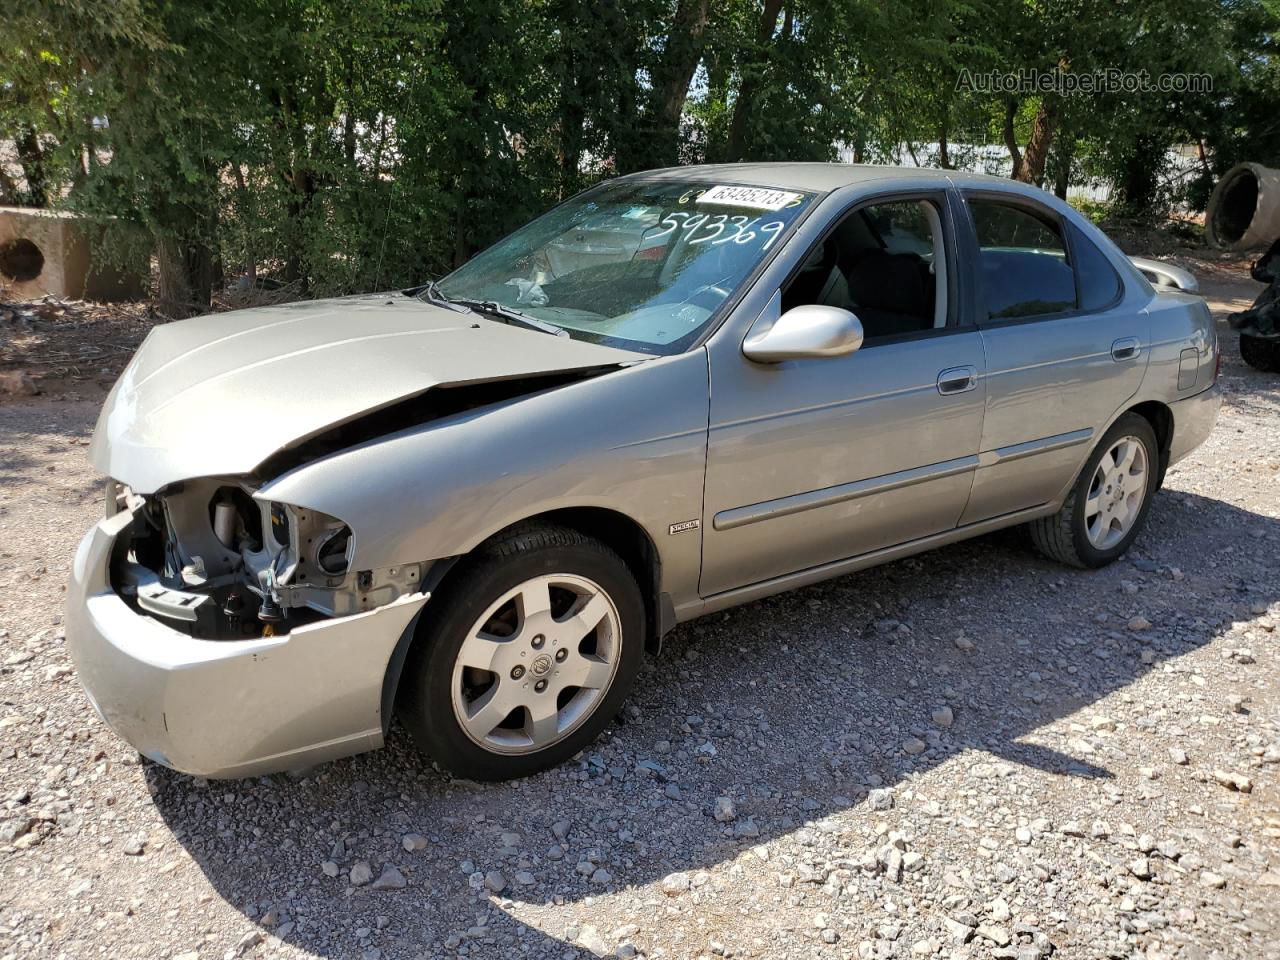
31	157
944	160
303	191
1062	176
461	248
297	170
572	116
623	138
348	114
245	200
8	190
174	296
1139	180
187	269
1011	137
1037	152
349	136
673	76
750	82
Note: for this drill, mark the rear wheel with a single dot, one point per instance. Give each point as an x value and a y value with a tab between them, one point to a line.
1109	503
530	653
1261	353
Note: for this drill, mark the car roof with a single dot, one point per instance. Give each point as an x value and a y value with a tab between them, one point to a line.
821	177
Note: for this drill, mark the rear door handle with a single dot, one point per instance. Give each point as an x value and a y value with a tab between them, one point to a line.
1125	349
957	380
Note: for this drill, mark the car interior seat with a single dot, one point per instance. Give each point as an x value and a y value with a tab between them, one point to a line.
891	293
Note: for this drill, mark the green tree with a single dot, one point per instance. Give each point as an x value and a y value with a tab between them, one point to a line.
338	146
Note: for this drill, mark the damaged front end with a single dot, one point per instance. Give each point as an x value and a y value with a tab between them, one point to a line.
210	559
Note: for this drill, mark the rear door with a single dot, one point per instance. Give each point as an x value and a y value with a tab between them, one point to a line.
1065	349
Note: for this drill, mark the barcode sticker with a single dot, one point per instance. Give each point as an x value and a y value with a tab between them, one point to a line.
757	198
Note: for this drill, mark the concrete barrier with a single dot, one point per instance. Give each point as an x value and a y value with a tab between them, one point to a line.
53	253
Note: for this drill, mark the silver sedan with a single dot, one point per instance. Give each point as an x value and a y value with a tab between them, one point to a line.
481	502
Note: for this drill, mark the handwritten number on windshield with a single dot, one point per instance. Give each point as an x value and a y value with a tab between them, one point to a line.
773	228
721	228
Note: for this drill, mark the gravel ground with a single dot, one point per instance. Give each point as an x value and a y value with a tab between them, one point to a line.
972	753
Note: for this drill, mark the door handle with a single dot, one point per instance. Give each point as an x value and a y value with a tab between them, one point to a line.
1125	349
957	380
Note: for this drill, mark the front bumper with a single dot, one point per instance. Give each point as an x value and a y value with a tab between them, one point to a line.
228	708
1193	420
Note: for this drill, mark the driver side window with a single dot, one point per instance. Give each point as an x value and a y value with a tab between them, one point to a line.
886	263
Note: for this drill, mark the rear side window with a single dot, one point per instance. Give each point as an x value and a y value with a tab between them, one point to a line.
1099	282
1025	268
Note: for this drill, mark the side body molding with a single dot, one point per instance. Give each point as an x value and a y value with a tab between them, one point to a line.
785	506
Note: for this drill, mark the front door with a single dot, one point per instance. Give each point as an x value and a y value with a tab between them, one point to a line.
817	460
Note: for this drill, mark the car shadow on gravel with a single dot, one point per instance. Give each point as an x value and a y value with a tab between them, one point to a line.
795	707
14	467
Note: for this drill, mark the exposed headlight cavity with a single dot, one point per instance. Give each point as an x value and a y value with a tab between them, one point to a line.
280	524
309	547
333	556
210	557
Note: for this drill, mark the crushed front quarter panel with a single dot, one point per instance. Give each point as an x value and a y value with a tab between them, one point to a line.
633	442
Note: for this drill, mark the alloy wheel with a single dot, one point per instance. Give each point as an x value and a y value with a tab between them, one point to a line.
536	664
1116	493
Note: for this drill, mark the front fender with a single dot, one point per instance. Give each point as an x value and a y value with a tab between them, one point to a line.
633	441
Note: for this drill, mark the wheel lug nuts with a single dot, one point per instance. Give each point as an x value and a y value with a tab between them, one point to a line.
538	642
540	686
517	672
561	654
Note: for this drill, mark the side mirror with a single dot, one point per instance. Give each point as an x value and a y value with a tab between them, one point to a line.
1166	275
809	330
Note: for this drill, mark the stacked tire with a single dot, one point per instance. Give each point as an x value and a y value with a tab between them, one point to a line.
1261	353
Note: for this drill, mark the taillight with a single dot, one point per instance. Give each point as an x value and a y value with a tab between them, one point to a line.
1217	358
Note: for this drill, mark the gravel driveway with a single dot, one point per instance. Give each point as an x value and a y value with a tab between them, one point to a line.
972	753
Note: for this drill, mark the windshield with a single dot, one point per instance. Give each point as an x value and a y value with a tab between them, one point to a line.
642	265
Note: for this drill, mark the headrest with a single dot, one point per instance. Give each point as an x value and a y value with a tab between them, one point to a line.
889	281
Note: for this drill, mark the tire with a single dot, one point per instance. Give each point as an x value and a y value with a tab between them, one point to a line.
1092	533
516	606
1261	353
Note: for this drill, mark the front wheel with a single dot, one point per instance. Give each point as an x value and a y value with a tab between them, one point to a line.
530	653
1109	503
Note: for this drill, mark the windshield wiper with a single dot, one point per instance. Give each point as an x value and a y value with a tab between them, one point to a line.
430	292
496	309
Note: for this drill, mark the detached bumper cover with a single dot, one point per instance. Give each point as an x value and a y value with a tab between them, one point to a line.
228	708
1193	420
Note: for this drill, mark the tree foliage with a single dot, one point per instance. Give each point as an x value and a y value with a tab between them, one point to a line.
338	145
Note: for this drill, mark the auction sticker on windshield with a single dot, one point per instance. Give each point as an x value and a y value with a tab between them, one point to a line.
757	198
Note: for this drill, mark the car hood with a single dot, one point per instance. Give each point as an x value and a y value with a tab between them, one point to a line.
219	394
